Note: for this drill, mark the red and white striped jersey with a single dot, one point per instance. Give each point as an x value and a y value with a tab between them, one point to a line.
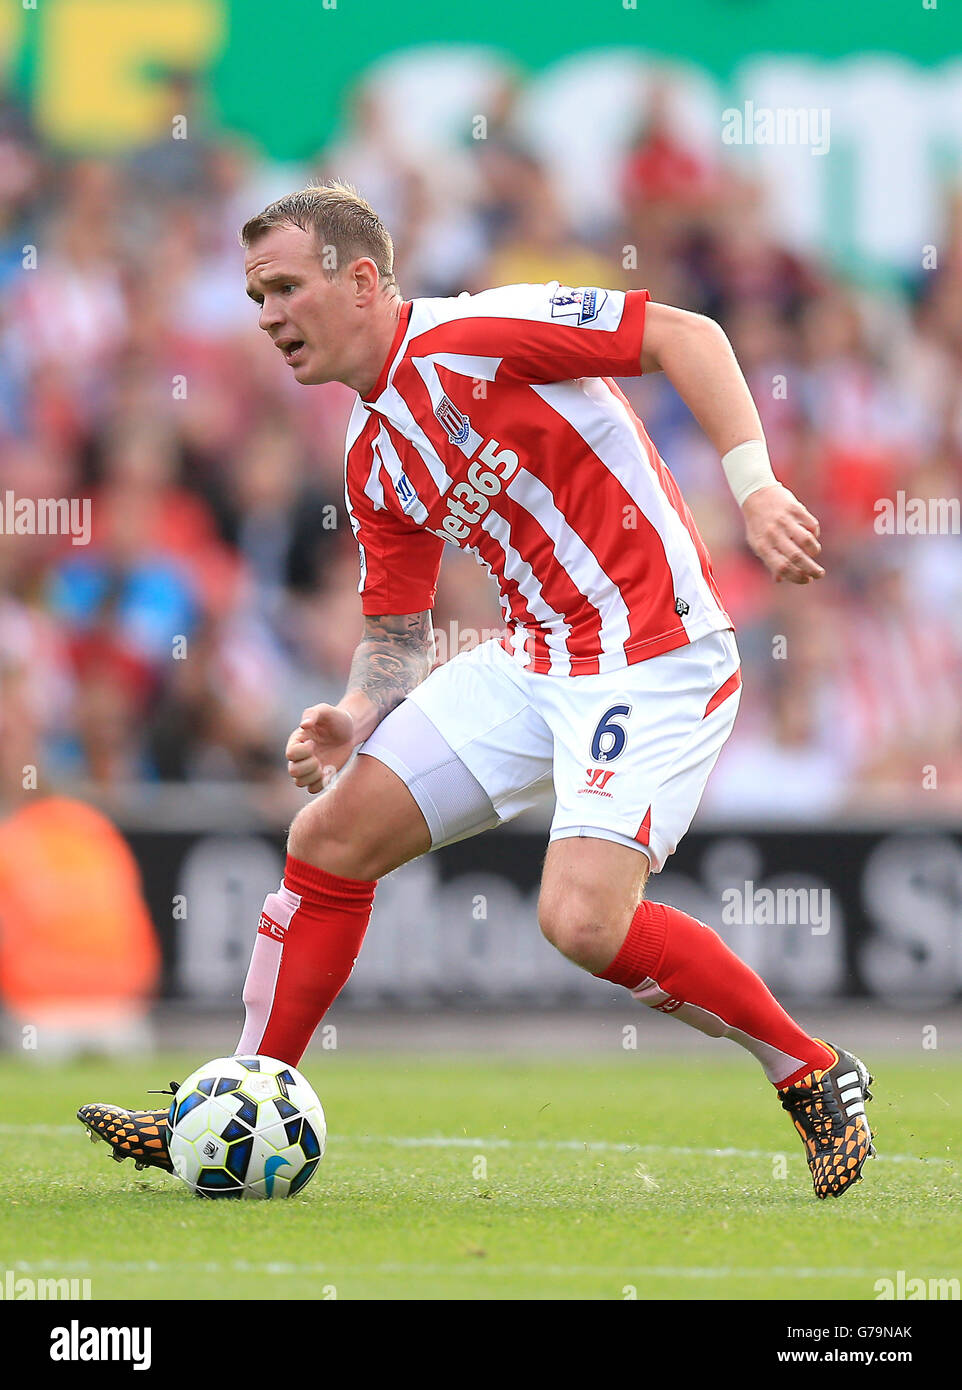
495	426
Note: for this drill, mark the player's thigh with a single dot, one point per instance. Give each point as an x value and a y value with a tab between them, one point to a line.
468	746
363	826
590	888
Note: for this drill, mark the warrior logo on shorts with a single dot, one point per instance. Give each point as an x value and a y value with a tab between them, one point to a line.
458	426
597	777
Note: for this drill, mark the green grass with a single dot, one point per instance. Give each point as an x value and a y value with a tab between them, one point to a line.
599	1175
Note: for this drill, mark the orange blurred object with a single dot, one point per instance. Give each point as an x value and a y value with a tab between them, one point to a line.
78	956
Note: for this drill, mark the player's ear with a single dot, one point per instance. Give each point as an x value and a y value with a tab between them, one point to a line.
364	278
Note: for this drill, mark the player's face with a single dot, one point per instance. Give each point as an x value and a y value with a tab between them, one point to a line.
305	313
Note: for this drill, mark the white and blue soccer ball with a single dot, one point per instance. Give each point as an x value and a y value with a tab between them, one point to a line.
246	1127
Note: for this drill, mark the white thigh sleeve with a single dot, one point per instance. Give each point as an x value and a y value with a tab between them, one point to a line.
451	799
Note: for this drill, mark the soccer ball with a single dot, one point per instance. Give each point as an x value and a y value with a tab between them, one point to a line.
246	1127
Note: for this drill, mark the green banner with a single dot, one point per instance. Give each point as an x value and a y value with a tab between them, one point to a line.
280	71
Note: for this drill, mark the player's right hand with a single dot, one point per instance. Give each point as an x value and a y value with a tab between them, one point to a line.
319	746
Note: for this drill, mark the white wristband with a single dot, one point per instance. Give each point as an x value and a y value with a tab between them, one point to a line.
748	469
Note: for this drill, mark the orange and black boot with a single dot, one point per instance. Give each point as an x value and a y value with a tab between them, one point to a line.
828	1110
137	1134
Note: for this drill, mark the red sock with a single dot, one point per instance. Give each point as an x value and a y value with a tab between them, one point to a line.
308	939
678	965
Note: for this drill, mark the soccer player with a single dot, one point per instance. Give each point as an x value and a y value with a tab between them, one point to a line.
491	422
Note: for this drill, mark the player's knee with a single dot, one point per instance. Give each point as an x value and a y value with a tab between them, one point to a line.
320	837
311	832
574	928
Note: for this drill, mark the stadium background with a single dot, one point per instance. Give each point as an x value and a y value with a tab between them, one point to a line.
152	677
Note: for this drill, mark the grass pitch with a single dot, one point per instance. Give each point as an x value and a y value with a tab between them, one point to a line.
470	1178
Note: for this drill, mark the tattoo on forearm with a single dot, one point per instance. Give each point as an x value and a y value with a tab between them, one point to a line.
394	655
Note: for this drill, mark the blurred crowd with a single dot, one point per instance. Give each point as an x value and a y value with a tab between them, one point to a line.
218	595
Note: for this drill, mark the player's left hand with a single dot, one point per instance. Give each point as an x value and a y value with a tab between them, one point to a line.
783	534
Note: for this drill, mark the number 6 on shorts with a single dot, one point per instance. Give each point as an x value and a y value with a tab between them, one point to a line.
609	739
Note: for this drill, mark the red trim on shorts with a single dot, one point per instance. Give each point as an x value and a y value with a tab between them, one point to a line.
723	692
644	830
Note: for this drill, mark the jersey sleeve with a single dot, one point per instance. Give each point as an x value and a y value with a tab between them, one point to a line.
545	333
400	561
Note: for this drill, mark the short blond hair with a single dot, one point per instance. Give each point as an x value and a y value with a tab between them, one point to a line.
338	217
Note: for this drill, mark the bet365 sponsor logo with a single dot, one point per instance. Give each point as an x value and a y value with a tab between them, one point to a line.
488	472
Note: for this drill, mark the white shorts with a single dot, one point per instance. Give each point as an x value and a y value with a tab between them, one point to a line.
628	752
